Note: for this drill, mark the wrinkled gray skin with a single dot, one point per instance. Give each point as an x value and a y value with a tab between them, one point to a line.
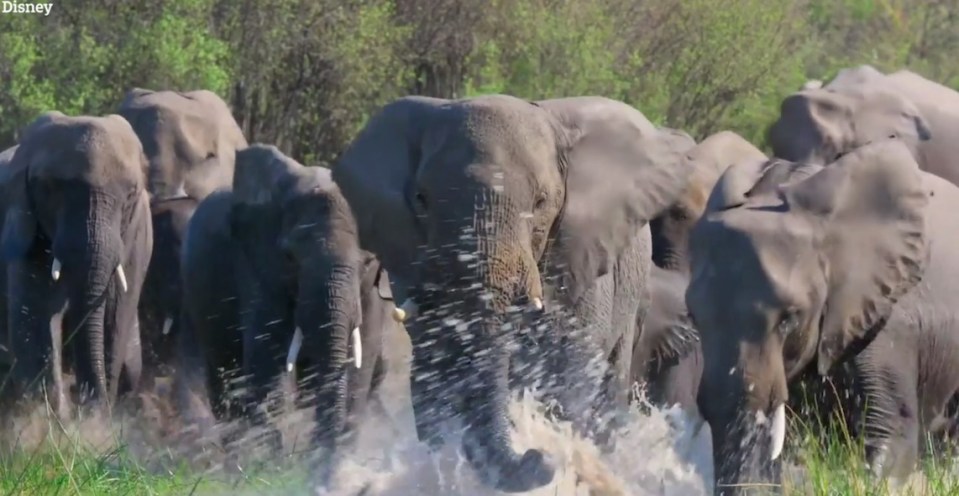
862	105
190	140
159	311
667	357
6	359
78	195
277	253
710	158
480	207
849	271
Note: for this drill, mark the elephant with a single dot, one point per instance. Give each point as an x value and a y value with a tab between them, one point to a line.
275	282
6	157
161	297
667	358
710	159
190	140
76	241
516	235
861	105
802	272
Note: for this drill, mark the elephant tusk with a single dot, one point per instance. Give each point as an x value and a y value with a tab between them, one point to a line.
537	303
55	270
777	433
357	348
295	346
407	310
167	324
122	277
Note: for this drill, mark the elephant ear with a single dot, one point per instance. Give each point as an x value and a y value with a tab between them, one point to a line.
733	187
620	173
376	173
19	224
813	125
671	342
872	204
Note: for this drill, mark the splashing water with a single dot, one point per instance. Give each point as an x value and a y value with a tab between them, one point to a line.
657	453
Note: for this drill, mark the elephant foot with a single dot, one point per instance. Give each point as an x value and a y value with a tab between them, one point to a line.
508	474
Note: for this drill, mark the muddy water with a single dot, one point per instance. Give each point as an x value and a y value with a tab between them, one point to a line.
657	455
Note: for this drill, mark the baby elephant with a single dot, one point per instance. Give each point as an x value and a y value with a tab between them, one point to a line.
274	282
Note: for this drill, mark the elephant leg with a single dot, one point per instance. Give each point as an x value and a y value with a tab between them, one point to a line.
132	374
58	394
194	386
262	368
891	411
29	290
149	363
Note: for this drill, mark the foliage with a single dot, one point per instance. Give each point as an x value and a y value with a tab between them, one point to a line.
305	74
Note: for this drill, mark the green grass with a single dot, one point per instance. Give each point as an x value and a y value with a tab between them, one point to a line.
831	467
835	465
80	472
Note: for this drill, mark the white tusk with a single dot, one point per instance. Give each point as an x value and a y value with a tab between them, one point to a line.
357	348
295	346
122	278
405	311
55	270
537	303
778	431
167	324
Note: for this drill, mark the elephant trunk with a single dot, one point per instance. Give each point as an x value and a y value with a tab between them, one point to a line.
326	315
486	442
92	255
745	408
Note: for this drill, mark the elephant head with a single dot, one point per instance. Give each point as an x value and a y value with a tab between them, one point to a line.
190	140
467	203
297	239
820	125
77	214
710	159
793	265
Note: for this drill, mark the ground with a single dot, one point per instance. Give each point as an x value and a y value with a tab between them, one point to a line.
656	456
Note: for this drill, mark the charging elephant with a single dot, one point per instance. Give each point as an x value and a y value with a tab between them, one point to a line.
159	311
667	358
861	105
190	140
847	271
710	158
77	241
515	234
274	281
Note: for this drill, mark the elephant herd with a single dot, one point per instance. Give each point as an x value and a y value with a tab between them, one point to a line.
569	247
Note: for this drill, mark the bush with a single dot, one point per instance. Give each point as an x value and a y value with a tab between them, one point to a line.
305	75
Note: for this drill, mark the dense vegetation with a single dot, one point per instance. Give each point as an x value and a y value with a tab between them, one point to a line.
305	74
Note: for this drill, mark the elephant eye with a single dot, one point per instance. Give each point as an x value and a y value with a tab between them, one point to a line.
540	201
